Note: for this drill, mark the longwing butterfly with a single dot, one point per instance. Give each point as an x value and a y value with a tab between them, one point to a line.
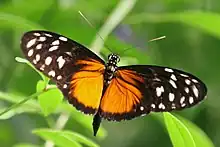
104	89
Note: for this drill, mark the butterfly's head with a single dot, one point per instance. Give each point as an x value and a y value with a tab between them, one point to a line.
113	59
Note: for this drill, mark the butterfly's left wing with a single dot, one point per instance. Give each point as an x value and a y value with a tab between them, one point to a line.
139	89
77	71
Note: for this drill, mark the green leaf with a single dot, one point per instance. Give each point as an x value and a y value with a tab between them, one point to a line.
13	20
179	133
25	145
28	9
200	138
49	100
200	20
40	86
184	133
79	138
64	138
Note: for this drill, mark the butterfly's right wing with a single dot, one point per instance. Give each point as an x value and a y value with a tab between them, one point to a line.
139	89
77	71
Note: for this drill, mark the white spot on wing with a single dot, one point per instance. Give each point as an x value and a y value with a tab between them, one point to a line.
141	108
48	35
63	38
34	61
173	77
42	38
159	91
168	70
53	48
156	79
186	89
187	81
195	91
69	53
48	60
182	99
30	52
31	43
59	77
191	100
183	104
173	106
52	73
195	81
173	83
161	106
153	106
171	97
183	75
60	61
36	34
42	67
56	42
37	57
39	46
64	86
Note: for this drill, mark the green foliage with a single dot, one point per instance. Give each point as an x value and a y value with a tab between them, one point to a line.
25	145
64	138
197	19
183	133
48	106
179	134
25	95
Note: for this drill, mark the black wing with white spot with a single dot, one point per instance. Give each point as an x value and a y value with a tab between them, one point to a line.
58	57
165	89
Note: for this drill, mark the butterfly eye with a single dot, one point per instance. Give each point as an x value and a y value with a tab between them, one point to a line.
118	59
114	57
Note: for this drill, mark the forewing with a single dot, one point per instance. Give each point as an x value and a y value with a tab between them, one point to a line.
62	59
154	88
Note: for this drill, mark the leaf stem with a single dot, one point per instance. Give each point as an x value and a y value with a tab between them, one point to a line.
21	102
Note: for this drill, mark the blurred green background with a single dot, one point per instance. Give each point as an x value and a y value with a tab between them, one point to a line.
192	30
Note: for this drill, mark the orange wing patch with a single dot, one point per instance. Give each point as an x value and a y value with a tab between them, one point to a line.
91	65
87	84
122	95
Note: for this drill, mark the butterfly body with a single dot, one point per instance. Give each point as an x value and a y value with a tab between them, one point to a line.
110	68
104	89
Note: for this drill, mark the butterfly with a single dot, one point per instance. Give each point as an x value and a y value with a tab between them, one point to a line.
102	88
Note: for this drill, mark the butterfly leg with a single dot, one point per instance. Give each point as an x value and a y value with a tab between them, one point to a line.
96	123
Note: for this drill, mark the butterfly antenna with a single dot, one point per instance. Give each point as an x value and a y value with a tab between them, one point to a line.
155	39
95	29
159	38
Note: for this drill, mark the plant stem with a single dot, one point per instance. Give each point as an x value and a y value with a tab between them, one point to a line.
118	14
21	102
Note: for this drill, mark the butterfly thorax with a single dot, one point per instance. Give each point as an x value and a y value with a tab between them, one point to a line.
111	67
